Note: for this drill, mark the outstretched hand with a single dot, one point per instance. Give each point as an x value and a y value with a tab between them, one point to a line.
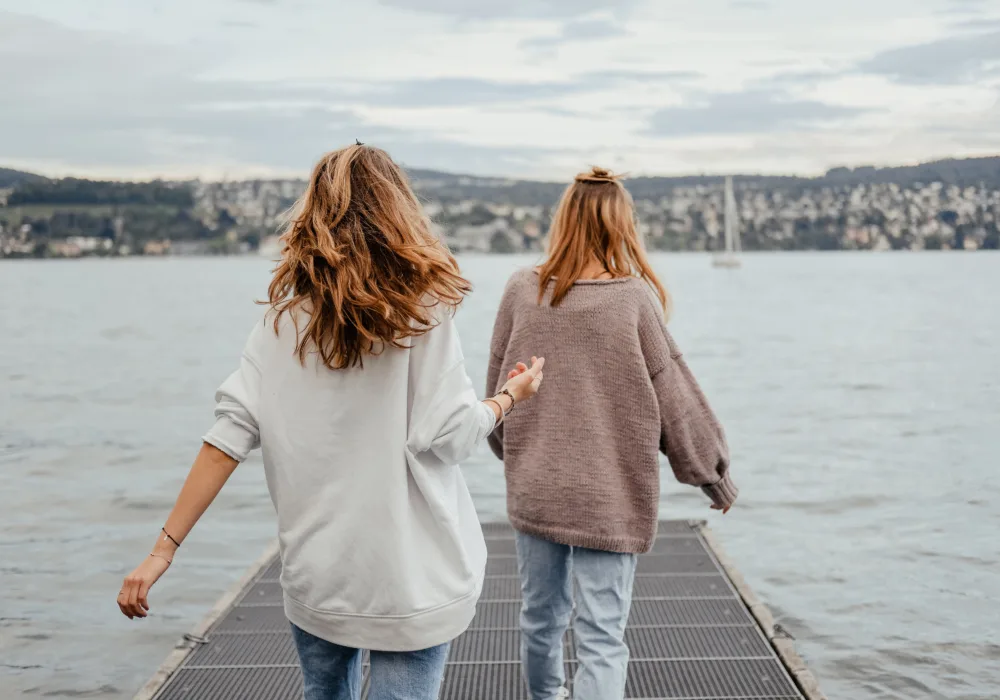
523	381
132	598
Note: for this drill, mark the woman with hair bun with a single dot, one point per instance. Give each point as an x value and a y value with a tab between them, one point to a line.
581	461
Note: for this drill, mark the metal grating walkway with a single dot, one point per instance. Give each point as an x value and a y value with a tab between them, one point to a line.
691	633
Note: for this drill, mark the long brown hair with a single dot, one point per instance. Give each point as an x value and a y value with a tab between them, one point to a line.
595	220
359	257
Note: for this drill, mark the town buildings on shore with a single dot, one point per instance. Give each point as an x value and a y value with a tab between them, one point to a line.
240	217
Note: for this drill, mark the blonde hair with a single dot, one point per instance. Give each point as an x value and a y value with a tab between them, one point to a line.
595	219
359	257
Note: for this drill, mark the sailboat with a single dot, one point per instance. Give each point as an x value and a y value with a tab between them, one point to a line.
730	256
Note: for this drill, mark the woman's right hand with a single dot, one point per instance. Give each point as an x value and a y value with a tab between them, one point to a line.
132	597
523	381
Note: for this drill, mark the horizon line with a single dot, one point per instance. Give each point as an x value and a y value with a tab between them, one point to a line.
60	174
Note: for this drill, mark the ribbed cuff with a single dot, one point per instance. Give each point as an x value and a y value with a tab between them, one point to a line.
723	492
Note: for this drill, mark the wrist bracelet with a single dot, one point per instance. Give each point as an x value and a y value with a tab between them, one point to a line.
499	408
512	401
169	561
167	536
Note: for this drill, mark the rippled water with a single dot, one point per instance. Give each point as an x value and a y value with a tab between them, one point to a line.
860	394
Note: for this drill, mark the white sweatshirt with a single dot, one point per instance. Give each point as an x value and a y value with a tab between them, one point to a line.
380	543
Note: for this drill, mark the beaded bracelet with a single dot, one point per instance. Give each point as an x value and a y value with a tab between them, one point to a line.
512	402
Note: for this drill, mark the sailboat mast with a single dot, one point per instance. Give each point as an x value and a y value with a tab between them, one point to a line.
728	258
730	215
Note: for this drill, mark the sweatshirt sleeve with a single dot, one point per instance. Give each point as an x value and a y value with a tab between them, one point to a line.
690	435
236	431
447	419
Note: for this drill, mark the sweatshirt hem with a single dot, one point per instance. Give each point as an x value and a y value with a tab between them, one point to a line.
422	630
575	538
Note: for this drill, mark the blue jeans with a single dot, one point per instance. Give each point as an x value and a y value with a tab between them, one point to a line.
333	672
603	593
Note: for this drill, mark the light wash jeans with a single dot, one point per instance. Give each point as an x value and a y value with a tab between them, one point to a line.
333	672
603	592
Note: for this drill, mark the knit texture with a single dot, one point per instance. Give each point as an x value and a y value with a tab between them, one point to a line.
581	458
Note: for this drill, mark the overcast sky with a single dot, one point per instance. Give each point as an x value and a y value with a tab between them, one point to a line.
531	88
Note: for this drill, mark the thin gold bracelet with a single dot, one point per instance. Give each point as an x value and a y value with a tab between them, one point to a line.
499	408
169	561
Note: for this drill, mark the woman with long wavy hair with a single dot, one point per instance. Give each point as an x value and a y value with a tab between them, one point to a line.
583	489
354	386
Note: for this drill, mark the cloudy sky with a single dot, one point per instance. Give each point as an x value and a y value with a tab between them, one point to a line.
531	88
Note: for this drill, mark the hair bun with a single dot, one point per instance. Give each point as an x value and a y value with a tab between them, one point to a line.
597	174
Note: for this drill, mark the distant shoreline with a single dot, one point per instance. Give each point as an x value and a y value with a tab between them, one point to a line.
525	254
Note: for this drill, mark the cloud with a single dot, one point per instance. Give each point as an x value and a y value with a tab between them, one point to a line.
979	24
577	30
960	59
748	112
82	100
461	91
510	9
446	92
622	76
799	78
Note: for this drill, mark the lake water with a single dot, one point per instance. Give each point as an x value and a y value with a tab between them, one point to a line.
860	394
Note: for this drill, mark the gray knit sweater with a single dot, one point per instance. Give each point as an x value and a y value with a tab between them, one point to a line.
581	458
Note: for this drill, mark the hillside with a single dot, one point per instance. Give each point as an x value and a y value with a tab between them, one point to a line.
964	172
12	178
847	208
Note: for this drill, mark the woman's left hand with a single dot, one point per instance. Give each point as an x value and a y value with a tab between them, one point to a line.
132	597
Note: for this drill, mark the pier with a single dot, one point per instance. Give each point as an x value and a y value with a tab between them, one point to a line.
695	632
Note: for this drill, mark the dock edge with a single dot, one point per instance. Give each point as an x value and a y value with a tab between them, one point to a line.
783	644
184	647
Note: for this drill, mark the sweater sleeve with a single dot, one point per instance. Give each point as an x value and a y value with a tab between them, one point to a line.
494	372
236	431
446	417
690	435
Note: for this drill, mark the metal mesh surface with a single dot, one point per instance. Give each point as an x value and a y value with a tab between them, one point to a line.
675	527
695	642
712	611
501	546
496	616
501	588
263	593
681	586
676	564
689	634
270	649
503	528
677	545
486	645
254	619
722	678
230	684
501	566
501	681
272	572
